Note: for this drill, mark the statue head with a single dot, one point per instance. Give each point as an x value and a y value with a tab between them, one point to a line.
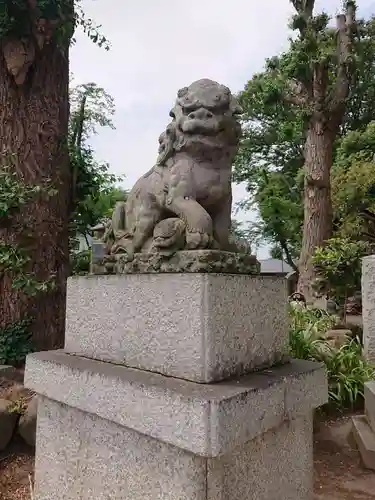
204	120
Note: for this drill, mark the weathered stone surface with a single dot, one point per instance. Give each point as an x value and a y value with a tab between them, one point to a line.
206	419
188	261
368	306
27	422
369	394
8	422
184	201
80	455
200	327
277	465
365	440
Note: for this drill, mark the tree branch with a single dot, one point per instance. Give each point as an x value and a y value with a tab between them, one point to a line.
288	256
345	28
296	94
304	7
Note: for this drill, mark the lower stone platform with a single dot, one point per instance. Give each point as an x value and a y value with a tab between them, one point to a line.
364	428
111	432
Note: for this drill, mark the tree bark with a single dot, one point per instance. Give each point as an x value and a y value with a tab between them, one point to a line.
328	109
288	257
33	129
317	201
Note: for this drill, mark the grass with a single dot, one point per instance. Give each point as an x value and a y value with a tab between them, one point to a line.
347	368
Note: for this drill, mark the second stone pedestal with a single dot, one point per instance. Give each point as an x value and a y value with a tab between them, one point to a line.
111	432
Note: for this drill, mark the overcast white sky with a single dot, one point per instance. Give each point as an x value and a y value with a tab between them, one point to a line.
158	46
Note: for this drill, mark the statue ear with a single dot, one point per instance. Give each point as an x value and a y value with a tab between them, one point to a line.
166	144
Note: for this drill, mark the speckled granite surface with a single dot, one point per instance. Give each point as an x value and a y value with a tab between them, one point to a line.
195	326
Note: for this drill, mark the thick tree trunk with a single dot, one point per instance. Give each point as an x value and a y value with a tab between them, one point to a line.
317	201
33	128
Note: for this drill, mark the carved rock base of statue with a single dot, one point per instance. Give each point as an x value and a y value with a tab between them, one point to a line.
111	432
184	261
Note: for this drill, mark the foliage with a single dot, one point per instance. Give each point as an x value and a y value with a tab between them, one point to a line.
15	343
17	19
14	259
240	230
307	328
353	181
338	267
271	155
13	193
90	106
347	373
19	406
346	367
80	262
94	188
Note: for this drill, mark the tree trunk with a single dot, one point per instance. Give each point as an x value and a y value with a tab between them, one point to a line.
317	201
33	129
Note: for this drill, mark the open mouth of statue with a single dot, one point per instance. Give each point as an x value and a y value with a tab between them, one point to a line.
200	127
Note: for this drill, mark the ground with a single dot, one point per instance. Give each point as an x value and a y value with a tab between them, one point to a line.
339	474
16	468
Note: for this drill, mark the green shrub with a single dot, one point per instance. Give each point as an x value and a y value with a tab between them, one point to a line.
15	343
80	262
338	265
347	373
346	367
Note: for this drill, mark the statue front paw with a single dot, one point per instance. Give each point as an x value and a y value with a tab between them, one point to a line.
196	240
123	246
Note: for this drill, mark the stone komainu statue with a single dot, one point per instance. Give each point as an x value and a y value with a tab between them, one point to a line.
184	201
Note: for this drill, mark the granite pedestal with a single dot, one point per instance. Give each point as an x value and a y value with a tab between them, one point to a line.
125	413
368	306
197	326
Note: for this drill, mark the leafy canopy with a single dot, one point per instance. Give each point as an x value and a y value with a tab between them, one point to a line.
22	18
271	155
95	188
338	267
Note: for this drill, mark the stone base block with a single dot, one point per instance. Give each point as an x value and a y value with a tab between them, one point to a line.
110	432
205	419
368	306
81	456
369	394
194	326
365	440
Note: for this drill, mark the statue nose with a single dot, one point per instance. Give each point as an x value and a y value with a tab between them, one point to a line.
200	114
